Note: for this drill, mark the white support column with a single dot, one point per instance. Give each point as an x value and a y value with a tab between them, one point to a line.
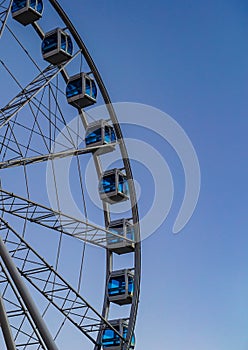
26	297
4	324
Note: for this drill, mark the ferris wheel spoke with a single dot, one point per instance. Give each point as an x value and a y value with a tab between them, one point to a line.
5	7
30	91
56	220
45	279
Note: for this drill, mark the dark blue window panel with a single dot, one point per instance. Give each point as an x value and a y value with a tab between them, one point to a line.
93	137
63	42
74	88
132	345
107	184
94	90
132	342
123	186
87	87
130	232
69	46
18	5
117	286
39	7
117	230
113	136
109	134
110	338
33	4
130	285
50	43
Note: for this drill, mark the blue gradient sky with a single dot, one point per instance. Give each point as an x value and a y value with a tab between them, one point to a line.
189	59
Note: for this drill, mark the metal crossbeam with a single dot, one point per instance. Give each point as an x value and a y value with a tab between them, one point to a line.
58	221
30	91
53	286
50	156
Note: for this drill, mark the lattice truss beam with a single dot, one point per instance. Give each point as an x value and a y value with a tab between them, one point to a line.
45	279
50	156
58	221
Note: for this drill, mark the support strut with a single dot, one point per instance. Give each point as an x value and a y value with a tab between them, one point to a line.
4	323
27	299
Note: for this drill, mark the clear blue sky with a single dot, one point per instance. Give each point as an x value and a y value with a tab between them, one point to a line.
189	59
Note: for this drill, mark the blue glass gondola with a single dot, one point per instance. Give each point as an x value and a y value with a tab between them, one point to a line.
121	287
81	90
111	340
57	46
125	229
100	133
27	11
113	186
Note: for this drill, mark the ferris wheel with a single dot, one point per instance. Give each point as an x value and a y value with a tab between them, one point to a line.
49	257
